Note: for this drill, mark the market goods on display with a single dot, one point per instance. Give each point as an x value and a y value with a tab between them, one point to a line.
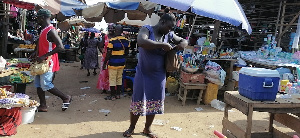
31	46
20	78
9	100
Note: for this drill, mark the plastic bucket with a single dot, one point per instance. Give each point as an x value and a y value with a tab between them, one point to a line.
28	114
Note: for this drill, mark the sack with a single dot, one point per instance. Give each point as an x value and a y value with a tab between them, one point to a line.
40	68
171	61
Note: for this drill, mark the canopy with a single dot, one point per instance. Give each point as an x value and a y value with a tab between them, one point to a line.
148	21
114	10
66	7
24	4
94	30
229	11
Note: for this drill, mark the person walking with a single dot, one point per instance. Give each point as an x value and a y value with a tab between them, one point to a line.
103	80
91	54
49	44
83	44
150	77
116	62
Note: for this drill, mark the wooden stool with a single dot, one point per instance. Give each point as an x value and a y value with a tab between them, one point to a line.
189	86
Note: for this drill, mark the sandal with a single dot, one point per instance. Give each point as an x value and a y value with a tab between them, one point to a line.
110	98
127	133
65	106
150	135
118	97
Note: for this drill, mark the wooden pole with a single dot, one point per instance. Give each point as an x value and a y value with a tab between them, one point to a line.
281	22
5	31
216	31
191	31
278	17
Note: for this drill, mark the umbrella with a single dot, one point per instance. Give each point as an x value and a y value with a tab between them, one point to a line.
63	9
80	21
229	11
150	21
115	11
94	30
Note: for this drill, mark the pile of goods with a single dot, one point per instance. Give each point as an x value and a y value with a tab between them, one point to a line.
30	46
9	100
20	78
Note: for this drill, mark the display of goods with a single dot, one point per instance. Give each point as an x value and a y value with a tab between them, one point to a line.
23	65
31	46
9	100
20	78
192	78
3	93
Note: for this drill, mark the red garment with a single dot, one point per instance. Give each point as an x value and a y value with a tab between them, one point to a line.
45	46
103	80
10	119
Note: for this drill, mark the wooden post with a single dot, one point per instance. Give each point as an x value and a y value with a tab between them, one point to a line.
278	17
191	31
216	31
5	31
281	22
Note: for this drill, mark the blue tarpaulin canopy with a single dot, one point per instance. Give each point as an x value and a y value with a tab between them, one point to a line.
229	11
64	6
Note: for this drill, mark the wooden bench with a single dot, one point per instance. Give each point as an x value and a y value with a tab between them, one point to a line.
183	90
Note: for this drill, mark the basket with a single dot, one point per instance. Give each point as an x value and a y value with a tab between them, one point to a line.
192	78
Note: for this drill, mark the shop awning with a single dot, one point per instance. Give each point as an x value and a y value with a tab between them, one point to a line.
66	7
229	11
21	4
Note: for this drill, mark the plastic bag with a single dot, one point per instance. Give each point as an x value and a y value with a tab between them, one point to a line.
2	63
217	104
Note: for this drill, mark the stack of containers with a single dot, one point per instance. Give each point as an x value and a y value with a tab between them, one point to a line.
258	84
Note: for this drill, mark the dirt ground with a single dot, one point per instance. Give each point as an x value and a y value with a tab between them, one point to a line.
83	119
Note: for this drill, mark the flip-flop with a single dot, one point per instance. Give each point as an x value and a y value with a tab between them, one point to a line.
150	135
65	106
127	133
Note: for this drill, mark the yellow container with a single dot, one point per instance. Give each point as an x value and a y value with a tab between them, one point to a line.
283	85
210	93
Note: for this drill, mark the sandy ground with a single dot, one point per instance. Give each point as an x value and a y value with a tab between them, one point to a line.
83	119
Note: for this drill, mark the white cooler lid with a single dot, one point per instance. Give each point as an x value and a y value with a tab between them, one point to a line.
259	72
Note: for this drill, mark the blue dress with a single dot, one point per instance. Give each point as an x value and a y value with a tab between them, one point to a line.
149	82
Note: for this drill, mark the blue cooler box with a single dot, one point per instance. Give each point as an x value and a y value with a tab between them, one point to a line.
258	84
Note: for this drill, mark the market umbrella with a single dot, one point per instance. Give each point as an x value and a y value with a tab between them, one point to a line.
115	11
63	9
150	21
80	21
93	30
229	11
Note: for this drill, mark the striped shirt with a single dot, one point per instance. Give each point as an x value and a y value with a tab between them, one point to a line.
117	58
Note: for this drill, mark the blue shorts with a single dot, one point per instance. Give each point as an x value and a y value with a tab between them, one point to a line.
44	81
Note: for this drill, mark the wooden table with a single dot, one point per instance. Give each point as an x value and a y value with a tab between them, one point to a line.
278	110
183	90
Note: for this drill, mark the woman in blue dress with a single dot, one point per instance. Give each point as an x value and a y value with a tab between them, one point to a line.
150	78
